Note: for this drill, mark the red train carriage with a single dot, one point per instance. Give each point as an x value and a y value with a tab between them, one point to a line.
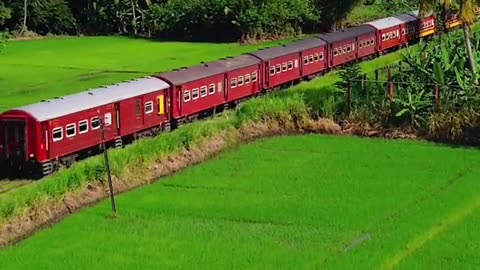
280	65
203	88
244	77
426	26
313	51
40	137
349	45
408	28
389	31
452	21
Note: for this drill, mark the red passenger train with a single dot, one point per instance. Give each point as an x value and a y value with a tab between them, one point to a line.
37	139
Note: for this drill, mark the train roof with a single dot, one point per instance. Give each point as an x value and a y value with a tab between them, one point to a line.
286	49
388	22
347	33
54	108
184	75
414	13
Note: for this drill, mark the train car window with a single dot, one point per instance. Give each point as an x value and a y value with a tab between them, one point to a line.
344	49
335	52
107	119
149	107
349	48
211	89
315	57
233	83
254	76
310	58
305	60
383	37
95	123
284	67
321	56
71	130
279	68
186	96
272	70
203	91
247	78
83	126
240	80
290	65
57	134
360	45
195	93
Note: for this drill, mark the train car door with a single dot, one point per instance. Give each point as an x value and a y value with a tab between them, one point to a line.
116	107
267	74
45	143
162	104
14	141
225	94
139	120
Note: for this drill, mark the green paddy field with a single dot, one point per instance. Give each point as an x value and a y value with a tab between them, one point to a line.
309	202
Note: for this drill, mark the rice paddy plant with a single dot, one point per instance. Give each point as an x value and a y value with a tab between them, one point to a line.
310	202
286	108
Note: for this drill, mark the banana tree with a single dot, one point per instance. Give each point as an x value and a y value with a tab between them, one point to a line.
467	16
414	106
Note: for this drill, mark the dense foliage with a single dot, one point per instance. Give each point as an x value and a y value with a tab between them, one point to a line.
434	92
188	19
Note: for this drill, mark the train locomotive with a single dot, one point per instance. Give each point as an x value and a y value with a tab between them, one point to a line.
37	139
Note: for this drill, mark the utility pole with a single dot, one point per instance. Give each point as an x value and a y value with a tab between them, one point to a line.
107	167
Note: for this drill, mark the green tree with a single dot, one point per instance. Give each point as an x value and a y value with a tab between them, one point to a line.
5	14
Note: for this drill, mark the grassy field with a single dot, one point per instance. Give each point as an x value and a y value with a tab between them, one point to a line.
312	202
38	69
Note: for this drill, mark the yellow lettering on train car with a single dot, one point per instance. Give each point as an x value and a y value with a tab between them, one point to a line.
161	105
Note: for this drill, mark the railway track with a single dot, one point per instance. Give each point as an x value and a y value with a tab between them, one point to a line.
8	185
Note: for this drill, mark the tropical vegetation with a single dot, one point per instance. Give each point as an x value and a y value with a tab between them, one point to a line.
187	19
466	11
434	93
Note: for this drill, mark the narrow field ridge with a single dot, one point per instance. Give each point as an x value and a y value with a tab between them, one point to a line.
445	224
